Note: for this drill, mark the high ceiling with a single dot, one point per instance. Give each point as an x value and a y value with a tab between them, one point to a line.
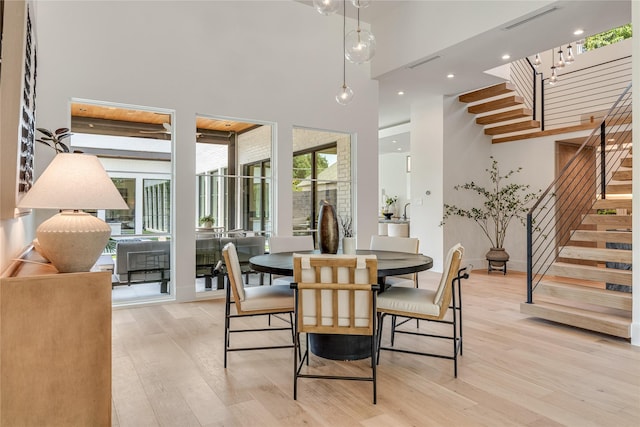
551	25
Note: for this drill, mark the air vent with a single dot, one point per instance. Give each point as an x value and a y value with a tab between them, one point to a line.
530	18
419	63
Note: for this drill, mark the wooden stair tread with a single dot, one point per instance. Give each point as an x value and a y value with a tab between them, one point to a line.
513	127
557	131
625	203
588	272
619	188
627	162
585	294
602	236
508	101
618	326
487	92
623	175
612	221
517	113
596	254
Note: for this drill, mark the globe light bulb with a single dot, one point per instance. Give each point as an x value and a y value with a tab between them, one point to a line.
360	46
326	7
345	95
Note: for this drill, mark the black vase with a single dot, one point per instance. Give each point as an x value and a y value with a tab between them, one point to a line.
328	235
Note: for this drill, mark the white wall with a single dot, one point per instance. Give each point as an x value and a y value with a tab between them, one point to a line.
393	180
427	141
262	61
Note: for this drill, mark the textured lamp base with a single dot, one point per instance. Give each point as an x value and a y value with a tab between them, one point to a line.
73	240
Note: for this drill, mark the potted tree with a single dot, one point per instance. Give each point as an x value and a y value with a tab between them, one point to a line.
207	221
502	202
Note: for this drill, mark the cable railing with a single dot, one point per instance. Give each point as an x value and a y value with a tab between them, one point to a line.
573	194
580	97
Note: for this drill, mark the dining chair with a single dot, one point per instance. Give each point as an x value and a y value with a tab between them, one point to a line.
430	305
279	244
334	295
253	301
397	244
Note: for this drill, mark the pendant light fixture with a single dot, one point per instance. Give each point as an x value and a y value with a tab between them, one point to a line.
360	44
326	7
537	61
554	76
345	95
560	63
570	57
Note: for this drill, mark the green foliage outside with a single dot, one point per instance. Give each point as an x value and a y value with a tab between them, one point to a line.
302	168
608	37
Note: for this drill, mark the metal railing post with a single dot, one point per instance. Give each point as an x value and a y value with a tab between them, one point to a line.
529	259
603	160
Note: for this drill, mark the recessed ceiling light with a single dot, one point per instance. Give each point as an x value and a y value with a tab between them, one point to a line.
578	32
399	149
506	56
394	141
450	75
400	92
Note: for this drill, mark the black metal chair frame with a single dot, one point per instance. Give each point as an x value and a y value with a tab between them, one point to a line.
456	322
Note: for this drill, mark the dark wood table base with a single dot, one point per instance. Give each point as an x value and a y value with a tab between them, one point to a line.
340	347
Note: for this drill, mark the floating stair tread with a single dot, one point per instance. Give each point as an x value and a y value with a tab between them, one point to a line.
588	272
517	113
594	321
596	254
584	294
627	162
612	221
538	134
613	203
619	188
601	236
487	92
513	127
508	101
623	175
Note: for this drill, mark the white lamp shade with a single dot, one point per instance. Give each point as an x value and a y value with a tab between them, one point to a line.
74	181
73	240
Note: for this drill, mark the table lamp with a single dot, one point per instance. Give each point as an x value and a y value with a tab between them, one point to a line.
73	240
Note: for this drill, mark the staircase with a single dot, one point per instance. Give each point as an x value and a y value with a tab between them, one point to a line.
584	279
588	287
501	111
506	118
582	275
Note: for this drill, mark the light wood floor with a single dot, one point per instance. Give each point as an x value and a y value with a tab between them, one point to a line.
516	371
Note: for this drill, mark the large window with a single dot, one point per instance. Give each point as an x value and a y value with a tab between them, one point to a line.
257	190
321	172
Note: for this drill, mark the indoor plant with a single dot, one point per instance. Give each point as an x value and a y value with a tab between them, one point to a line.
348	239
207	221
54	139
502	202
389	206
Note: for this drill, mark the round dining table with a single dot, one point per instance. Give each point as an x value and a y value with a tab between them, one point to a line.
345	347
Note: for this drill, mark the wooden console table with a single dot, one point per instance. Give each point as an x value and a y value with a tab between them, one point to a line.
55	346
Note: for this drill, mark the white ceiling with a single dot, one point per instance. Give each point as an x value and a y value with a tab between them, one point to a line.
469	59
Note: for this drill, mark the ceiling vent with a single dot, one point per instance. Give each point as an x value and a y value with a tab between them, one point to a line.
530	18
422	62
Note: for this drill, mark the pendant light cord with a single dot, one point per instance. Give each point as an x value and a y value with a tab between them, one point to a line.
344	44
